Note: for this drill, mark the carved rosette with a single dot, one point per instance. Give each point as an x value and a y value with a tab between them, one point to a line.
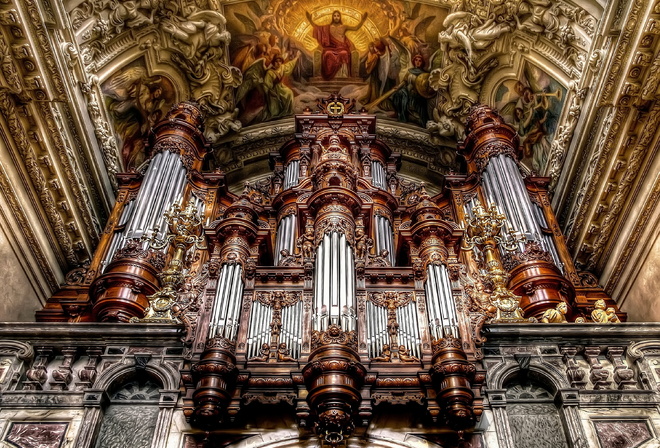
215	375
535	277
120	293
452	376
488	135
333	377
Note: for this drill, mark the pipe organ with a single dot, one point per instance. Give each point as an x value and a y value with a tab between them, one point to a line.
332	275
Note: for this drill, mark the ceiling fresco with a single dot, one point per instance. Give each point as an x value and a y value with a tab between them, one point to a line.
378	53
533	105
417	65
136	102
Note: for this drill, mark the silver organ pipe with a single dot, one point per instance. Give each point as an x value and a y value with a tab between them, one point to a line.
384	237
118	236
259	328
227	303
370	330
292	328
381	325
163	184
409	336
291	174
376	329
378	176
547	238
504	186
286	233
334	292
443	320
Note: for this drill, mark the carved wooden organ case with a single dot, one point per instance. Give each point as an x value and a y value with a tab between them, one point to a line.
334	285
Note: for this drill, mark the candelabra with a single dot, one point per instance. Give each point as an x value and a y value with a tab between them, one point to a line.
483	233
184	232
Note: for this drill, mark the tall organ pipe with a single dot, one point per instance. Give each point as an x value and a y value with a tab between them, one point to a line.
442	308
334	292
285	237
162	186
227	304
378	176
503	185
291	174
384	237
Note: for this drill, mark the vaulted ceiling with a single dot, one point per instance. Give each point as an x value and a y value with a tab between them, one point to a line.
83	81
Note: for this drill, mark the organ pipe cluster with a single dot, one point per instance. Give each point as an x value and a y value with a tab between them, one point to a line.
333	272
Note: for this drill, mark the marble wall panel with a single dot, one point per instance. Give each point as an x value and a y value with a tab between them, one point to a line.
36	435
618	434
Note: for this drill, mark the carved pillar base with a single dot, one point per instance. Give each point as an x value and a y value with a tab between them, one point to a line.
121	292
334	377
452	374
216	375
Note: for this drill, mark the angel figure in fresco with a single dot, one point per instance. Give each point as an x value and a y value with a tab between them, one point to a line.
532	108
336	47
411	99
264	92
374	69
406	80
136	102
410	27
260	38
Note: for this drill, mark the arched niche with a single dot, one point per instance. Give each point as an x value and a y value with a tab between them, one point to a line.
131	415
133	403
531	400
533	416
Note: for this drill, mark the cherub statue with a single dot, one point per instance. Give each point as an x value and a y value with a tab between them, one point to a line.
405	356
385	355
599	315
264	353
289	259
283	353
611	316
555	316
360	243
380	260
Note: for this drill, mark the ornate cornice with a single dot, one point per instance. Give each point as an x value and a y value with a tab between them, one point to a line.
626	132
18	213
46	184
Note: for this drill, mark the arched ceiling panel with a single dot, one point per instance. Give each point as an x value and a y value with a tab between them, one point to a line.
418	65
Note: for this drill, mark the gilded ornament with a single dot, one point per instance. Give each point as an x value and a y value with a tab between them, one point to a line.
483	233
555	316
184	232
603	314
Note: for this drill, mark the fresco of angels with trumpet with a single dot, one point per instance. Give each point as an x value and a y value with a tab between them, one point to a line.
292	52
